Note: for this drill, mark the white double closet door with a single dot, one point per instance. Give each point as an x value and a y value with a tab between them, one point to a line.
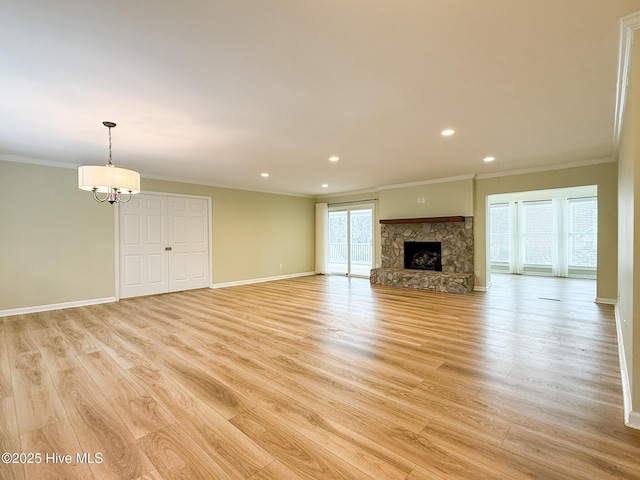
164	244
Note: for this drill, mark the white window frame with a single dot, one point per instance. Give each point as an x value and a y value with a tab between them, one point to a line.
348	209
560	264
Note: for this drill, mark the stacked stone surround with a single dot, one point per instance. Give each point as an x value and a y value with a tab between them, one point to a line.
457	256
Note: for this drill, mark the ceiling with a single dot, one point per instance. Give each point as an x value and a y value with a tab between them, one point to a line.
219	91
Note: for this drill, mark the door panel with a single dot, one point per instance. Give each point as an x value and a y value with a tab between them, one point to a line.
199	265
132	270
155	230
143	262
189	261
156	274
351	241
179	230
180	267
131	231
164	245
361	242
338	242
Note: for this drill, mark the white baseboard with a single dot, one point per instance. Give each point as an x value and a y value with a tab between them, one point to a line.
260	280
634	420
482	289
631	418
606	301
97	301
55	306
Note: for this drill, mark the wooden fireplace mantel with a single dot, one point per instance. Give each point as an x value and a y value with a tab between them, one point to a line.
396	221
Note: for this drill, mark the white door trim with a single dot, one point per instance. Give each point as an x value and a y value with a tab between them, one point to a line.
116	221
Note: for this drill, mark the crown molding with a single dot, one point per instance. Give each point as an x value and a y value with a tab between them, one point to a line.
398	185
326	196
37	161
628	25
226	187
428	182
506	173
559	166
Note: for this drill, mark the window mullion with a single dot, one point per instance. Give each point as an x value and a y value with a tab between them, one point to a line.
517	239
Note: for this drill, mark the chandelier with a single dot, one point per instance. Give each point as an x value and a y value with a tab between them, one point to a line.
109	183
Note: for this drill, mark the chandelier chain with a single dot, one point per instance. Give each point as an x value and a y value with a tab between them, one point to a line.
110	162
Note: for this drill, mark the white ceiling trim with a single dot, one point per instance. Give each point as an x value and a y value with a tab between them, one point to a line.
206	184
628	25
428	182
560	166
347	194
584	163
37	161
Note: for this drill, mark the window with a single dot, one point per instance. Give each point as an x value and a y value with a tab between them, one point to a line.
501	232
583	233
538	233
351	240
551	237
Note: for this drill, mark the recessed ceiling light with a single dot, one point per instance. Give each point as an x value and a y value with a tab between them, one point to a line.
264	175
447	132
489	159
325	185
334	158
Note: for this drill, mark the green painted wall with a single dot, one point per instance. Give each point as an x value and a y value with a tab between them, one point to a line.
629	230
441	199
57	244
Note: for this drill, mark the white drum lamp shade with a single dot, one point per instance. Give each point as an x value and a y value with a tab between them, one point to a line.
105	179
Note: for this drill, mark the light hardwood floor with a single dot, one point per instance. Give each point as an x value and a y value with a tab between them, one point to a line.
320	378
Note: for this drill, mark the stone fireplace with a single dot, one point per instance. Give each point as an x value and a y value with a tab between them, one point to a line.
427	253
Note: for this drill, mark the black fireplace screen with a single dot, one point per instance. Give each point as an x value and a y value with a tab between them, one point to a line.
423	256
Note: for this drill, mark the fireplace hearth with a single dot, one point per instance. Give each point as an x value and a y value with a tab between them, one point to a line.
423	256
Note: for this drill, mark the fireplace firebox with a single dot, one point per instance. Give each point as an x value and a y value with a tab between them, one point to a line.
423	256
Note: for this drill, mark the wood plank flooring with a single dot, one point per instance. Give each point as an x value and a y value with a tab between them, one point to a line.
320	378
